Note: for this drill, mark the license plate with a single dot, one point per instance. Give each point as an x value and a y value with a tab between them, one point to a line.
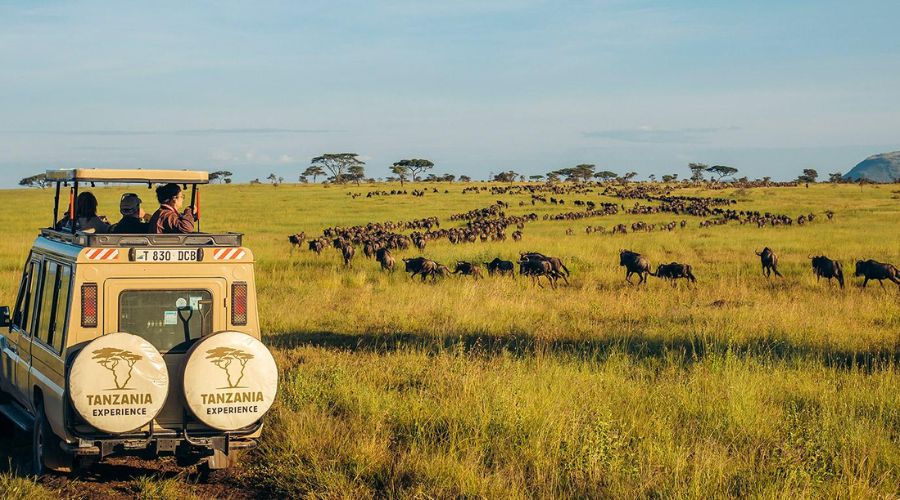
165	255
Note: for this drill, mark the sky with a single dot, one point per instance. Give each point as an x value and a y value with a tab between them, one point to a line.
767	87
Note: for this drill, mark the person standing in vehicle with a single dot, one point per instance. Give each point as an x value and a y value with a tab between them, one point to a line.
132	221
168	219
86	218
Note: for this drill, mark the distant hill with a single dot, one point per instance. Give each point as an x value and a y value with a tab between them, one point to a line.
877	168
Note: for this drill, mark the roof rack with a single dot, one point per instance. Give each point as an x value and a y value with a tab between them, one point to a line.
128	175
144	240
125	175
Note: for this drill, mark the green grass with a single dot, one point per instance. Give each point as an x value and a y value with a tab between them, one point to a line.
734	386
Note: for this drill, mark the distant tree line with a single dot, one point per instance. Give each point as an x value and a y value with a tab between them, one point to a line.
341	168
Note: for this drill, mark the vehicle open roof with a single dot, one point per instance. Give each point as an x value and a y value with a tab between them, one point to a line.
128	175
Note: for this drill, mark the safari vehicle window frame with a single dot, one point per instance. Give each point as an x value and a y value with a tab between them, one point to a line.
54	308
35	260
24	287
174	349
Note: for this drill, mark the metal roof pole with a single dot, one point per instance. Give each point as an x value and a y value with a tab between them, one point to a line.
72	220
55	207
195	200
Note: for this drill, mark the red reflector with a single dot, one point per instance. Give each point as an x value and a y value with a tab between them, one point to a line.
239	303
89	305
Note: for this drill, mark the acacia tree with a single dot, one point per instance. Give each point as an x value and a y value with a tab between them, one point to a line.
465	178
220	176
401	171
313	171
809	175
606	175
39	181
721	171
356	173
583	171
508	176
416	166
697	170
337	164
835	177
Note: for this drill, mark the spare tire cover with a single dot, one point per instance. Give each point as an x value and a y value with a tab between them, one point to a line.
118	382
230	380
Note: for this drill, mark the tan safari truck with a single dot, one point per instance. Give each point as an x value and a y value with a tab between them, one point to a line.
135	344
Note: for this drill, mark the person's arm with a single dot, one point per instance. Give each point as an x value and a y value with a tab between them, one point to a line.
185	222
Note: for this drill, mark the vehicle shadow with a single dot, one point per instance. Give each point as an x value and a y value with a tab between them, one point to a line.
683	349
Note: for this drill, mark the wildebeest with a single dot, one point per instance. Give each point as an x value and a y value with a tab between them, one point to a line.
769	262
874	270
823	267
384	257
421	266
559	269
634	263
467	269
347	253
316	246
297	240
673	270
517	235
501	267
537	268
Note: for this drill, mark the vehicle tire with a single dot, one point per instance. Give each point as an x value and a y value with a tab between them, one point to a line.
46	455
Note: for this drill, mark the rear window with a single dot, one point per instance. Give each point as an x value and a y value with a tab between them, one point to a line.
168	319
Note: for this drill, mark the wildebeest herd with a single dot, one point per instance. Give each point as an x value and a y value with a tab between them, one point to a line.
379	240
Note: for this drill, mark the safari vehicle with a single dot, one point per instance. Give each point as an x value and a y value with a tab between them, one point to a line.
135	344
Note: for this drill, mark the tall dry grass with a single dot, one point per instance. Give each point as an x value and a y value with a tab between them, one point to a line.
734	386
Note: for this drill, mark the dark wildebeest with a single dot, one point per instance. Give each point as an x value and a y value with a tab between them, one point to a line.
517	235
769	262
823	267
421	266
297	240
468	269
369	249
501	267
634	263
559	269
316	246
673	270
874	270
347	253
384	257
537	268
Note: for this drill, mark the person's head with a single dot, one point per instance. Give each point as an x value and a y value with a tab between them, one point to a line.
130	205
170	194
85	206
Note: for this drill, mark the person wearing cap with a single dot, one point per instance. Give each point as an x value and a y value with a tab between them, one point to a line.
168	219
132	221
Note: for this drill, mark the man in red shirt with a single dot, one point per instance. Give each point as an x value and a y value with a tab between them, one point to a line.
167	219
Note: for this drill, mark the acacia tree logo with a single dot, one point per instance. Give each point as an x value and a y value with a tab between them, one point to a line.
119	361
232	361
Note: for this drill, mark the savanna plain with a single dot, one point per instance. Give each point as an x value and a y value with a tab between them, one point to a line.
736	385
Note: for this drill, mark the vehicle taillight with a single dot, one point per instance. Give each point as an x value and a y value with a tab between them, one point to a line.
89	305
239	303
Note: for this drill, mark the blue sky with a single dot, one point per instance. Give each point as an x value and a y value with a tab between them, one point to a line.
256	87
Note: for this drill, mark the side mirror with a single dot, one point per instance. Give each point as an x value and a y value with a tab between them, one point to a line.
4	317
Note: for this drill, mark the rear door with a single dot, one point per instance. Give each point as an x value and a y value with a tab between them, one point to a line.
171	314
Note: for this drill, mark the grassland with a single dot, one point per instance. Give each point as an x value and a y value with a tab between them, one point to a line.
733	386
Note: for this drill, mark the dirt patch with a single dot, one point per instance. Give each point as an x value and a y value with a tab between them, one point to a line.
122	477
